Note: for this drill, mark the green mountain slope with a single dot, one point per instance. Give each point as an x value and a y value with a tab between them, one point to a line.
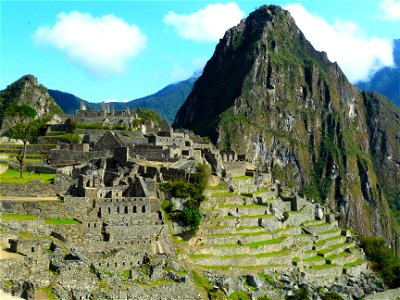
27	90
268	93
387	80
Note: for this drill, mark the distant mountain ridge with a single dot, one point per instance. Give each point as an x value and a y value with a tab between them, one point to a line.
166	101
387	80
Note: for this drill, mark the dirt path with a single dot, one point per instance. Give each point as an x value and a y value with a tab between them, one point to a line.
39	198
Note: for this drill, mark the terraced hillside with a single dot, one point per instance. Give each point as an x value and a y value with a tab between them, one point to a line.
259	229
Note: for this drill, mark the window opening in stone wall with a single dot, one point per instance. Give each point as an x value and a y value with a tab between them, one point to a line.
109	210
117	209
126	209
143	209
33	249
134	209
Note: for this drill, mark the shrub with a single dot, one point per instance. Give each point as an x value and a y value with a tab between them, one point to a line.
191	216
384	262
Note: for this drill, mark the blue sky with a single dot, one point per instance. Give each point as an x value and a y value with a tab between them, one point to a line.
122	50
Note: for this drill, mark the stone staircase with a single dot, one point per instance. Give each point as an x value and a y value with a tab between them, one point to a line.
242	231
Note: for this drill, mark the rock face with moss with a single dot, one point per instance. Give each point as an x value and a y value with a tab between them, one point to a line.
268	93
27	90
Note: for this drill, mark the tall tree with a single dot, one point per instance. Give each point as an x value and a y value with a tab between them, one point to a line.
24	127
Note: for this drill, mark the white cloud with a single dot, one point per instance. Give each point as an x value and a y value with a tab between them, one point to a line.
390	9
344	42
102	45
180	73
205	25
115	100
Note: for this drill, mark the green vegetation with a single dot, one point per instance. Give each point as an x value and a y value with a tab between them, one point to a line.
353	263
192	191
8	282
125	274
72	138
23	127
13	176
268	278
240	295
206	287
384	262
300	294
16	217
331	296
65	221
49	293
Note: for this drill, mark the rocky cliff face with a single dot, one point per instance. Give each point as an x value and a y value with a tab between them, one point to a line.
28	91
268	93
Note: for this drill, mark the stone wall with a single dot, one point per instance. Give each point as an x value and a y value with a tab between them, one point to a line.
235	168
30	189
59	157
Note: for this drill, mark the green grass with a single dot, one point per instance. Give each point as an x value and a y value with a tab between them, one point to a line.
266	242
16	217
12	176
25	234
332	248
239	234
353	263
224	194
252	267
125	274
335	256
65	221
314	258
275	253
216	187
242	177
265	216
248	227
336	237
8	282
201	255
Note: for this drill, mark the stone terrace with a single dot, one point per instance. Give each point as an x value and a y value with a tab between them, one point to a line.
258	230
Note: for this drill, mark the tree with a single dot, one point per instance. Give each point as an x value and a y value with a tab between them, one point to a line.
24	127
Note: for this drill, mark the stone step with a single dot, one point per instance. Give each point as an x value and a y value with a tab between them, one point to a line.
334	249
328	234
326	243
226	229
231	238
314	229
280	257
313	261
227	199
354	268
314	222
243	210
343	257
261	246
247	188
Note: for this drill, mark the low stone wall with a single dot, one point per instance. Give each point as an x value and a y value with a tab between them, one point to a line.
30	190
60	157
43	209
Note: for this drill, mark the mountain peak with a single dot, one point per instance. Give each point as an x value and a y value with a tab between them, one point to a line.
268	93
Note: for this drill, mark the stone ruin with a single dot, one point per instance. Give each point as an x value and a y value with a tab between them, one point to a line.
120	239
